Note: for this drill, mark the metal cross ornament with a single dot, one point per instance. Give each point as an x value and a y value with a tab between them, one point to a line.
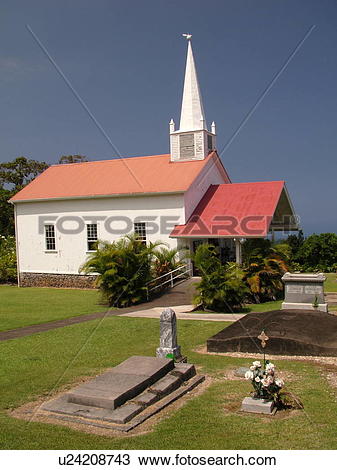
263	338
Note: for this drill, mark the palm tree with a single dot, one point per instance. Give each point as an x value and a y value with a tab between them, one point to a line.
222	287
166	260
124	269
264	271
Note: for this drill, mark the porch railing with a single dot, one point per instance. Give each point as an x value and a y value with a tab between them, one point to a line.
169	279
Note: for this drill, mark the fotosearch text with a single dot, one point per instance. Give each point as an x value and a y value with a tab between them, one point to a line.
224	225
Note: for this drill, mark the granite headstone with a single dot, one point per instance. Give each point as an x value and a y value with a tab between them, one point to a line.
304	292
168	335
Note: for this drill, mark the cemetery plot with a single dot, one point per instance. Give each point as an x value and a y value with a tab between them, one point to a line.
126	395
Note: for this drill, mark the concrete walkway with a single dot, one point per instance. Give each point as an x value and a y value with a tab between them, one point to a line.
331	298
183	312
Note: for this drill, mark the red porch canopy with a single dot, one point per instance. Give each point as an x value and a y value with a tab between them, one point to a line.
243	210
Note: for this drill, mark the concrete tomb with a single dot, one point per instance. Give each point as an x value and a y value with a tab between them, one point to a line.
290	332
304	292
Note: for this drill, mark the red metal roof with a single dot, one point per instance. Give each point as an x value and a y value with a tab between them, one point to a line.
152	174
233	210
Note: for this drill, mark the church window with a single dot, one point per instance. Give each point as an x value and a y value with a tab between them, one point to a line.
91	236
140	230
50	237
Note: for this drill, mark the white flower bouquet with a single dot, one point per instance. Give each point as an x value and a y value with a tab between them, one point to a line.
266	385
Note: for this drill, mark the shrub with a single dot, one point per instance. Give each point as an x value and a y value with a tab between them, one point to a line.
123	268
264	278
221	286
8	271
166	260
318	252
264	265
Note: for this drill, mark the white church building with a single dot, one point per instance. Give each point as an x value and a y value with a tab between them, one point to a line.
182	199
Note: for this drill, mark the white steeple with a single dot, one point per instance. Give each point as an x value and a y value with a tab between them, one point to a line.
192	141
192	111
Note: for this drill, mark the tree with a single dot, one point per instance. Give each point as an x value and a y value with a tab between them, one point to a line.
319	252
13	177
6	213
295	242
72	159
18	173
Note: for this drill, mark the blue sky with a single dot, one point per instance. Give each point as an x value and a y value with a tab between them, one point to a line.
126	60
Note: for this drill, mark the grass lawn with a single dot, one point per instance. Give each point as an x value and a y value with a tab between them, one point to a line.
35	365
330	284
32	305
265	307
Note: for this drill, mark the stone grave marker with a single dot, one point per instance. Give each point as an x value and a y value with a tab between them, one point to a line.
304	292
257	405
169	347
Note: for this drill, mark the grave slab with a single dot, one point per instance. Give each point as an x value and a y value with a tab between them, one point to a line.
290	332
166	385
124	413
184	370
146	398
109	395
256	405
121	383
97	401
145	365
123	418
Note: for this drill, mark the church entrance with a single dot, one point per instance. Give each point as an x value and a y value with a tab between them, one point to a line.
224	246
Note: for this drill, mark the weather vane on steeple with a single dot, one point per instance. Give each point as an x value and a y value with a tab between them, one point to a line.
187	36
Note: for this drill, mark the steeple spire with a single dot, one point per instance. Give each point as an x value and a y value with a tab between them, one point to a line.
192	141
192	111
